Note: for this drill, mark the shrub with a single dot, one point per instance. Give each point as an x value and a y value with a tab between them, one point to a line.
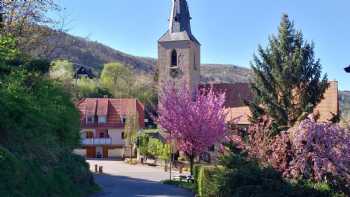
196	169
21	178
309	151
10	172
315	151
142	143
39	128
206	183
182	184
259	138
321	152
153	147
242	176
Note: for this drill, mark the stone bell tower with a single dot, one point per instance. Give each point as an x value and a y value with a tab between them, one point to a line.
179	50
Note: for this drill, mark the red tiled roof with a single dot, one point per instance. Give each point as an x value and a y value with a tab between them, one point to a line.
102	107
90	107
114	109
328	106
235	93
239	114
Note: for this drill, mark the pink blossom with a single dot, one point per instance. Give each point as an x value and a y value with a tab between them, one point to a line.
194	122
311	150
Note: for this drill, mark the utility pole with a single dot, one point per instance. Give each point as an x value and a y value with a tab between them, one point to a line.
171	156
171	142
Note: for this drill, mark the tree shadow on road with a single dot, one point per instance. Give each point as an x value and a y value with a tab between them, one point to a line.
123	186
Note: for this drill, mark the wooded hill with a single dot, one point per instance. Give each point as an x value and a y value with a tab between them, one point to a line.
93	54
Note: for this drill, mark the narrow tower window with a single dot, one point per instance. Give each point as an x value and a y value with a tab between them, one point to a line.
194	62
173	58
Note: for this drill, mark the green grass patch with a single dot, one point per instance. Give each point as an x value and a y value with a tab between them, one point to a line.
182	184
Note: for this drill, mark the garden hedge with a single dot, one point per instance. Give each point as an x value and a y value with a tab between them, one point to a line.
205	180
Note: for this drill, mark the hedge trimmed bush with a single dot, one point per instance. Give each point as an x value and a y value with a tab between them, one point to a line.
196	169
206	182
205	179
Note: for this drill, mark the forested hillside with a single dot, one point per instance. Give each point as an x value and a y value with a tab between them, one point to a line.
93	54
219	73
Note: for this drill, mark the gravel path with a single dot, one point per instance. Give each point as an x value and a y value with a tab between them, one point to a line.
123	180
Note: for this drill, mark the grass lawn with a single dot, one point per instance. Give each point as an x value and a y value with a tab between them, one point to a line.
182	184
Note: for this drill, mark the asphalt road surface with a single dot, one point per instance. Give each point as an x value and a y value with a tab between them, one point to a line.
123	180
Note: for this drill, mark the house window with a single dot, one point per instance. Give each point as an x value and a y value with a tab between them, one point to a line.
212	148
90	119
102	135
194	62
89	134
174	58
124	120
123	135
102	119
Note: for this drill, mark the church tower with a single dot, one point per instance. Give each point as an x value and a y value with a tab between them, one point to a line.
179	50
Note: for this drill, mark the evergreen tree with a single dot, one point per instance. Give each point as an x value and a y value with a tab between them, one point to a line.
287	77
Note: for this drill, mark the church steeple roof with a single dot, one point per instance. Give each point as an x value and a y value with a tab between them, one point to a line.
179	23
180	17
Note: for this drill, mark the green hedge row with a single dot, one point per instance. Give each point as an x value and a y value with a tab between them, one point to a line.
205	181
253	182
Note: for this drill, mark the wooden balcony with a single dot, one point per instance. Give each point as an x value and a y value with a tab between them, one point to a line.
97	141
85	125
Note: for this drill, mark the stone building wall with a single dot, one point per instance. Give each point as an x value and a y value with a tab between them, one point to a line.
188	54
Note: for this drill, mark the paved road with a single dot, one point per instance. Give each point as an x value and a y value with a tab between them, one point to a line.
123	180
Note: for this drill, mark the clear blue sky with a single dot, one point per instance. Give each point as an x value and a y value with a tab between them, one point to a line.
229	30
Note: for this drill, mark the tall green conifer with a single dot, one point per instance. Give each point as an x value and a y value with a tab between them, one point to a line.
287	77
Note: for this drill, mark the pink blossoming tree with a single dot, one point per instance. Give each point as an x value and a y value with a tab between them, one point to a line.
310	150
321	151
194	123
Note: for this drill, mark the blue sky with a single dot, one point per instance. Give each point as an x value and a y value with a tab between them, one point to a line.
229	30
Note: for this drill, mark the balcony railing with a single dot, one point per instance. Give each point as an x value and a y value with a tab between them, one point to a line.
84	124
97	141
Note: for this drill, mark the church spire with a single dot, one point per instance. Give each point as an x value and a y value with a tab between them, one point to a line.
180	17
179	23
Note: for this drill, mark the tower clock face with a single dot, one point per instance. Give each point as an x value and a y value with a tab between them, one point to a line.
175	72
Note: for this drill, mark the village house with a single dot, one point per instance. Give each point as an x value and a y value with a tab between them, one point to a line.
237	93
102	124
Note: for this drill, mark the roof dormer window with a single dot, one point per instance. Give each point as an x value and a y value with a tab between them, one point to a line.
90	119
102	119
